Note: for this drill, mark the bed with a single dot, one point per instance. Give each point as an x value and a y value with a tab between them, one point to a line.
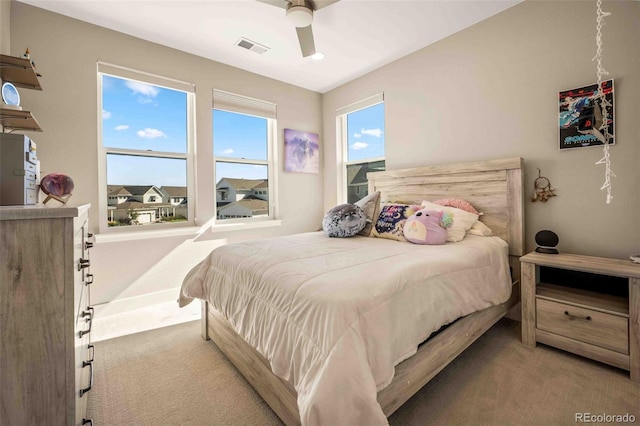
350	360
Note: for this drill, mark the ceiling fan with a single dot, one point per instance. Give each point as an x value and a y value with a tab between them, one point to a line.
300	13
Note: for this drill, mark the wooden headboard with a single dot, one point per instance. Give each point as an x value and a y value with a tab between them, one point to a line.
493	187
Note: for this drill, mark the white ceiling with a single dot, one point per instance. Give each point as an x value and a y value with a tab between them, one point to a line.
356	36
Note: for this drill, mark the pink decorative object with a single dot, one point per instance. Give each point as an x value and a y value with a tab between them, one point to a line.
458	203
57	186
426	227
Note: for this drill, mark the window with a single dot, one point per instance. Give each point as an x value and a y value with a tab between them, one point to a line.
146	143
243	135
361	132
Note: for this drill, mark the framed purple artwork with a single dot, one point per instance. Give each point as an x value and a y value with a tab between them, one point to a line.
301	152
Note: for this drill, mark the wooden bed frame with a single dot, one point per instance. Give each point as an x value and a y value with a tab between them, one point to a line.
494	187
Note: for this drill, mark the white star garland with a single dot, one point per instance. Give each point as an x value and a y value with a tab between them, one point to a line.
603	136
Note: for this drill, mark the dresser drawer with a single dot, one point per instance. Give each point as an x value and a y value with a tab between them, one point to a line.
586	325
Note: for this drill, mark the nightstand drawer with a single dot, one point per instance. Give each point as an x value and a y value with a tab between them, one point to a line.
589	326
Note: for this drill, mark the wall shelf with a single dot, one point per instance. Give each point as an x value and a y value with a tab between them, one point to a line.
13	119
19	71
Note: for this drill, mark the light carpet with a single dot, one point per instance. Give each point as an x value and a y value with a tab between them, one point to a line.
170	376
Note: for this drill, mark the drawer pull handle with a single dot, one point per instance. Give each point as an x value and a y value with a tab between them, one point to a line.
93	352
89	279
87	313
83	263
88	245
87	422
587	318
88	388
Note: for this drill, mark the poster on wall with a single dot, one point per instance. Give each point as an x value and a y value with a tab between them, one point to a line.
581	117
301	152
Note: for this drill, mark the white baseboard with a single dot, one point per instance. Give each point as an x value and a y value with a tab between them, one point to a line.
129	304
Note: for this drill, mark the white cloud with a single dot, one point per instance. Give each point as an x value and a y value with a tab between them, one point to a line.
106	114
357	135
151	133
122	127
142	88
373	132
359	145
228	151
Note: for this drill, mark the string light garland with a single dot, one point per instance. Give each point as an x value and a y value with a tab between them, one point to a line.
603	132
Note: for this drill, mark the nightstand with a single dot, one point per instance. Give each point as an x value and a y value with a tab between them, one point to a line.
601	322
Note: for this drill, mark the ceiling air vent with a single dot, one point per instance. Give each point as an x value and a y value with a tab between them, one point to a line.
245	43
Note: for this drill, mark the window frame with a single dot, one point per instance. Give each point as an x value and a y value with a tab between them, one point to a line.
240	104
342	137
188	156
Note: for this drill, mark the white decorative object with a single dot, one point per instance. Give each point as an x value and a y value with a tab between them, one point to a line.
606	160
10	95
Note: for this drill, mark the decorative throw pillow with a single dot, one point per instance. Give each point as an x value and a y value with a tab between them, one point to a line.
480	229
391	220
344	220
370	205
458	203
427	227
462	220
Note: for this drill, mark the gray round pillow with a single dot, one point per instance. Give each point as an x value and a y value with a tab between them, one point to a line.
344	220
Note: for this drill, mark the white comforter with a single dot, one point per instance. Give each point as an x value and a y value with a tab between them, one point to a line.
335	315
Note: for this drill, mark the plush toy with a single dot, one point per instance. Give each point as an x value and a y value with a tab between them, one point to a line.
345	220
427	227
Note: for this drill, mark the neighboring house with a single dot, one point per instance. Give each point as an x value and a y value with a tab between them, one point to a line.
247	207
357	184
229	190
144	204
174	194
242	197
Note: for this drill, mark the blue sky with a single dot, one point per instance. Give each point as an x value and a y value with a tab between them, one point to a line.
151	118
365	130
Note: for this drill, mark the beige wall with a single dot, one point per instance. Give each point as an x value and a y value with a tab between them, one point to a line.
491	91
5	39
66	51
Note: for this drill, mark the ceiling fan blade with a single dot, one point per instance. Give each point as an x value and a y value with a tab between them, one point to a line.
283	4
319	4
305	37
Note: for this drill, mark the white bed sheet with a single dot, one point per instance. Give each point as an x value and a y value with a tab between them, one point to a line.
335	315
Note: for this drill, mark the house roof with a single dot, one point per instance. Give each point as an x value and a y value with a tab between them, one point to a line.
246	184
131	189
117	190
253	204
174	191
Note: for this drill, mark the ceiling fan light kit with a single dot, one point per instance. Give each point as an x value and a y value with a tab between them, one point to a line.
300	16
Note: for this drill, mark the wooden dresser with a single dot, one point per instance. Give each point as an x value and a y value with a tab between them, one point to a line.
46	360
593	309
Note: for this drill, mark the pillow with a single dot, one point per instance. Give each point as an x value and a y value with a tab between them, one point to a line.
458	203
344	220
480	229
391	220
462	220
427	227
370	206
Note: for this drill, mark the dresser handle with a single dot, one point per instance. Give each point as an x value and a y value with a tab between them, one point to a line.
588	318
88	245
88	279
93	352
88	388
87	422
83	263
87	313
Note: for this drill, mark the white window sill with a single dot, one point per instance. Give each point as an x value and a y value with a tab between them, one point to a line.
184	231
